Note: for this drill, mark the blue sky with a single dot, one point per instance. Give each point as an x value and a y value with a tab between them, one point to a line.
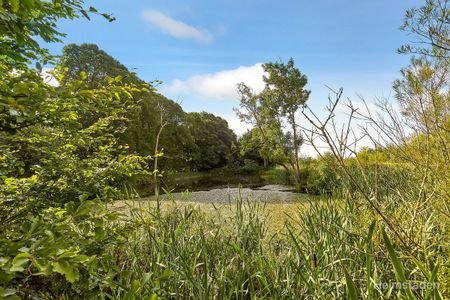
201	49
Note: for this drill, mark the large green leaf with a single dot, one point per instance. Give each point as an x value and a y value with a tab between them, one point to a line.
352	293
18	262
396	263
65	268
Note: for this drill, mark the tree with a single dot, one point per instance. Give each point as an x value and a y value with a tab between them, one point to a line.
213	140
142	133
430	26
96	63
59	157
251	147
275	107
251	111
49	153
285	86
423	93
22	22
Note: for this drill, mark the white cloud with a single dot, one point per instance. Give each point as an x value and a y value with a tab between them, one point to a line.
221	85
235	124
176	28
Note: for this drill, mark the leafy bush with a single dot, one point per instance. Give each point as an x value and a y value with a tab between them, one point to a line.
64	251
277	176
319	176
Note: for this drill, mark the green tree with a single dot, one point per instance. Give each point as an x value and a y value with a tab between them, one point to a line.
423	93
285	86
142	133
23	22
430	27
58	157
213	140
49	153
251	147
274	108
51	156
96	63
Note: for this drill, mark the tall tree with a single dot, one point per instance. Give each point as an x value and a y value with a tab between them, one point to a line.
430	27
213	139
285	86
143	131
423	91
49	154
96	63
274	113
251	112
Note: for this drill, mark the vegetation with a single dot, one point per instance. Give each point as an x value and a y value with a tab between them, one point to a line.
269	110
378	229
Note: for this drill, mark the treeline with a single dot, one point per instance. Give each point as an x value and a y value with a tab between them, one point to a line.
187	141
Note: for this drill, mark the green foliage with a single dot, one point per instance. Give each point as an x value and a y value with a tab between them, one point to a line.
430	27
23	21
423	93
179	252
251	147
50	153
63	251
64	153
96	63
213	140
319	176
270	110
278	176
176	140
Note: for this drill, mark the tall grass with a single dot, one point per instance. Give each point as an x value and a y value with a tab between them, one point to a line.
334	249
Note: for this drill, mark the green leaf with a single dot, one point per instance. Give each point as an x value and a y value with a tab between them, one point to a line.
371	230
352	293
133	292
15	5
398	267
369	260
154	297
93	9
63	267
18	262
167	273
85	14
8	294
44	267
38	66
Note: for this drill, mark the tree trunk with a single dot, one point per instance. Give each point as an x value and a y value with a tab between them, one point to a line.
155	165
296	148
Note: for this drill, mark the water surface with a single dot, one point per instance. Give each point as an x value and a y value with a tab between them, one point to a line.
265	193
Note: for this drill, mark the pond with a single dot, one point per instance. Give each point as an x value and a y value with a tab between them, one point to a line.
223	195
215	179
225	187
